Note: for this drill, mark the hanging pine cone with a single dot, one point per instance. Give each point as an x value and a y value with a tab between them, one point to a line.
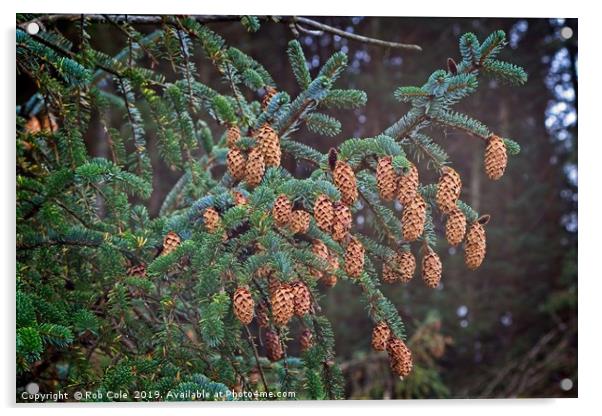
389	274
301	298
255	168
496	157
239	198
236	163
408	185
448	189
138	270
380	336
269	94
354	258
320	250
306	340
263	319
232	136
300	221
333	262
282	211
171	241
455	227
324	213
211	220
329	280
386	178
475	247
283	305
400	357
344	179
407	266
269	144
273	347
263	272
431	268
413	218
243	304
273	285
342	221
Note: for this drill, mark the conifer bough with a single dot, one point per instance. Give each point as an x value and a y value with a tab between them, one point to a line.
240	244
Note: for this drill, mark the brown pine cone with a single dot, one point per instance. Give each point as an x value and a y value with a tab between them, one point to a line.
380	336
386	178
273	347
273	285
407	266
269	94
171	241
300	221
329	280
324	213
263	319
232	136
283	305
306	340
455	227
475	246
263	272
413	218
344	179
400	357
354	258
243	304
239	198
431	269
389	274
137	270
408	185
301	298
333	262
211	220
448	189
269	144
496	157
282	211
342	221
236	163
321	251
255	168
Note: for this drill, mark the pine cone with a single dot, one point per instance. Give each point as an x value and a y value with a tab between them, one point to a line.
306	340
263	272
344	179
282	211
263	319
232	136
283	305
431	269
407	266
389	274
324	213
475	247
448	189
273	347
269	144
496	157
301	298
236	163
269	94
413	218
408	185
400	357
354	258
273	285
239	198
455	227
171	241
329	280
321	251
342	221
333	262
386	178
380	336
300	221
243	304
211	220
137	270
255	168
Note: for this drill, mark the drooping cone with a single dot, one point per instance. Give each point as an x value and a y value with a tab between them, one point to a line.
380	336
137	270
263	272
344	179
354	258
273	285
300	221
171	241
342	221
272	345
324	213
431	268
455	227
321	251
236	163
329	280
301	298
211	219
239	198
496	157
243	304
408	185
306	340
283	305
448	189
400	357
389	274
413	218
476	245
407	266
269	94
232	136
263	319
269	144
255	168
386	178
282	211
